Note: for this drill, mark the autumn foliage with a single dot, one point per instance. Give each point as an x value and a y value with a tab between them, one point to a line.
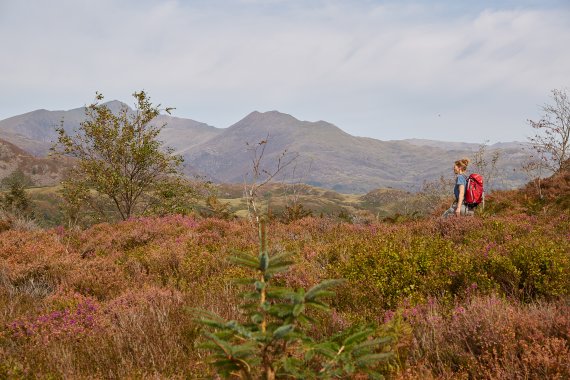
484	297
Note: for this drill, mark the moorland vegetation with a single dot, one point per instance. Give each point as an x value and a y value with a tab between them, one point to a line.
155	295
483	297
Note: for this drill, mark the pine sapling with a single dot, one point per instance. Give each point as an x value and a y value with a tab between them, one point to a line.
272	342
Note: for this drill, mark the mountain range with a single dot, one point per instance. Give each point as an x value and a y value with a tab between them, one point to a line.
327	156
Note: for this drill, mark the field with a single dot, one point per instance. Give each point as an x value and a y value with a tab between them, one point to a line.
483	298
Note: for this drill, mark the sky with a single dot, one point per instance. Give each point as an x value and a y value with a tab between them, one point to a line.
444	70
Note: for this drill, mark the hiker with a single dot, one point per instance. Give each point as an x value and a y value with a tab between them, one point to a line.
459	207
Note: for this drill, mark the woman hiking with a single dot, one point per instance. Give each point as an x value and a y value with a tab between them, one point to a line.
458	207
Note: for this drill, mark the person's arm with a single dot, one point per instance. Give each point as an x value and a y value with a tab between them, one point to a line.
460	199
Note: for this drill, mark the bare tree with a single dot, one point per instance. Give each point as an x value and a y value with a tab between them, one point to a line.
294	209
552	137
534	168
485	163
261	175
430	196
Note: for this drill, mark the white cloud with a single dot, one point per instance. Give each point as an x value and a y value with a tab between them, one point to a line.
385	70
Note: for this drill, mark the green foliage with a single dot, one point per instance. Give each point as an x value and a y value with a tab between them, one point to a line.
11	369
345	216
401	218
273	341
510	256
544	268
295	211
400	267
120	156
216	208
15	200
16	177
174	195
535	206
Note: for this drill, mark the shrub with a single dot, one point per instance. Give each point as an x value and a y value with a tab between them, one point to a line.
273	339
544	267
490	338
141	274
399	267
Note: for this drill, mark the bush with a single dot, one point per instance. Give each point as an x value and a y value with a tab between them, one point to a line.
490	338
271	339
446	278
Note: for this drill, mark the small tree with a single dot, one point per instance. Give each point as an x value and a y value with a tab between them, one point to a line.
294	209
16	177
430	197
15	200
216	208
272	341
173	196
534	170
261	175
75	197
552	137
120	156
486	164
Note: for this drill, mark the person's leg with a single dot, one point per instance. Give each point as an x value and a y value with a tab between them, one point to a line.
466	211
450	211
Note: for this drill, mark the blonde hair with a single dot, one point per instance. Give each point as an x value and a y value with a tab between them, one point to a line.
462	164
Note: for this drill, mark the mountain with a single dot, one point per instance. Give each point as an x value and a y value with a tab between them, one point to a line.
35	131
328	156
447	145
43	171
331	158
185	134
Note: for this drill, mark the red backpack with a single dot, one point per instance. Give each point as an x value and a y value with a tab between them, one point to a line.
474	192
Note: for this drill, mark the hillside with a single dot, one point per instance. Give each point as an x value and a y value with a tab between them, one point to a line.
35	131
328	157
43	171
483	297
461	145
376	205
331	158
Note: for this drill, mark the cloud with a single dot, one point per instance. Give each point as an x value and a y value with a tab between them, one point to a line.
378	69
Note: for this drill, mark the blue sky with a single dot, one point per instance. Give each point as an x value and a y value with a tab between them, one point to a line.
446	70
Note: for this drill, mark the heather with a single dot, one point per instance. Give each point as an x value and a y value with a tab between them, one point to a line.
483	297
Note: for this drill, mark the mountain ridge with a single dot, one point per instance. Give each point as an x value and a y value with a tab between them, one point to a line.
328	156
35	132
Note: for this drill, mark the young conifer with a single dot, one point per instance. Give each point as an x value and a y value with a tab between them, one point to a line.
272	341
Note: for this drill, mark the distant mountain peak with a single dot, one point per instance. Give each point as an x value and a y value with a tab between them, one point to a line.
116	105
269	115
41	110
278	118
115	102
257	125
